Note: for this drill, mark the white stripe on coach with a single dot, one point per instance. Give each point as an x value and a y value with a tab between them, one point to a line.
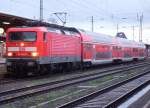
13	48
30	49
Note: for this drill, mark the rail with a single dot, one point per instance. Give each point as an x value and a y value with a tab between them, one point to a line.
91	96
10	95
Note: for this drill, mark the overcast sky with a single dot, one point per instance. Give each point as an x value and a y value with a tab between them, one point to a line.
107	13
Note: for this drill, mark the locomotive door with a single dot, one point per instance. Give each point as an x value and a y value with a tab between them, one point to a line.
46	44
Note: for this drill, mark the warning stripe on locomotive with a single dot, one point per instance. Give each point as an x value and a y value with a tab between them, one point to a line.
22	49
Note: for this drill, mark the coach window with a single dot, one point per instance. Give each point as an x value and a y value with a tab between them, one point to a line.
120	48
114	47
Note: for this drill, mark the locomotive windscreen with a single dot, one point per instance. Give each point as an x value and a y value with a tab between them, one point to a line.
22	36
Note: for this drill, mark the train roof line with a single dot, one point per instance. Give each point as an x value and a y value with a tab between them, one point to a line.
45	24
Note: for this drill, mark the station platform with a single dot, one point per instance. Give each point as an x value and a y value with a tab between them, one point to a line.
2	67
142	102
2	60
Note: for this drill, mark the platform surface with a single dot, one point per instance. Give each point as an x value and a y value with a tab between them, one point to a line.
2	60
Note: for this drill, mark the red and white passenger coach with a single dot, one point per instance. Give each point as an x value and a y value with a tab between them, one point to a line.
38	49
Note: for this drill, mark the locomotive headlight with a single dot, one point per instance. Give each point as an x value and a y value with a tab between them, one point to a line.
34	54
22	44
9	54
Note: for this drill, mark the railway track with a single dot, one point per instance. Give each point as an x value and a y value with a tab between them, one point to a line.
13	94
127	95
9	80
112	96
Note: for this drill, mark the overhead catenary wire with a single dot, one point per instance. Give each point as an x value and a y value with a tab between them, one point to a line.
83	5
81	11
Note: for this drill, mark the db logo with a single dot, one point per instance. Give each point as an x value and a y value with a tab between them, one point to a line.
21	48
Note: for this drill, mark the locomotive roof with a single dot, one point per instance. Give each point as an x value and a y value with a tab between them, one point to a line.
97	37
44	24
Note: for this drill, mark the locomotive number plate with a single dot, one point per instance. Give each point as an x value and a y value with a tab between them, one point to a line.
21	48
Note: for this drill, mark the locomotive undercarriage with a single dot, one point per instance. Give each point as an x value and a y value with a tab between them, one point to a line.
63	67
23	67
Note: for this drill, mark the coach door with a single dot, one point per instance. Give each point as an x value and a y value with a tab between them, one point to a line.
88	52
119	51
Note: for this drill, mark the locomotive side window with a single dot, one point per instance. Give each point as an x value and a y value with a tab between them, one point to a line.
54	30
73	33
67	32
70	33
22	36
44	36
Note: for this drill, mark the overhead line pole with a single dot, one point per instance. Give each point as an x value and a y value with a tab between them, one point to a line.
92	22
141	26
133	31
41	10
140	19
117	27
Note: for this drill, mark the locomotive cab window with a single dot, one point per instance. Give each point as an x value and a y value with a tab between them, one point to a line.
22	36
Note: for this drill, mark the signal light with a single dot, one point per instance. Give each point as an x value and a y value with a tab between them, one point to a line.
9	54
34	54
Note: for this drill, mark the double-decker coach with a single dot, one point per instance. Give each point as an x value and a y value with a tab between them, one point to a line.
100	49
97	48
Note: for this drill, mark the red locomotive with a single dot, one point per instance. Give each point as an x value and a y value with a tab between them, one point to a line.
38	49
